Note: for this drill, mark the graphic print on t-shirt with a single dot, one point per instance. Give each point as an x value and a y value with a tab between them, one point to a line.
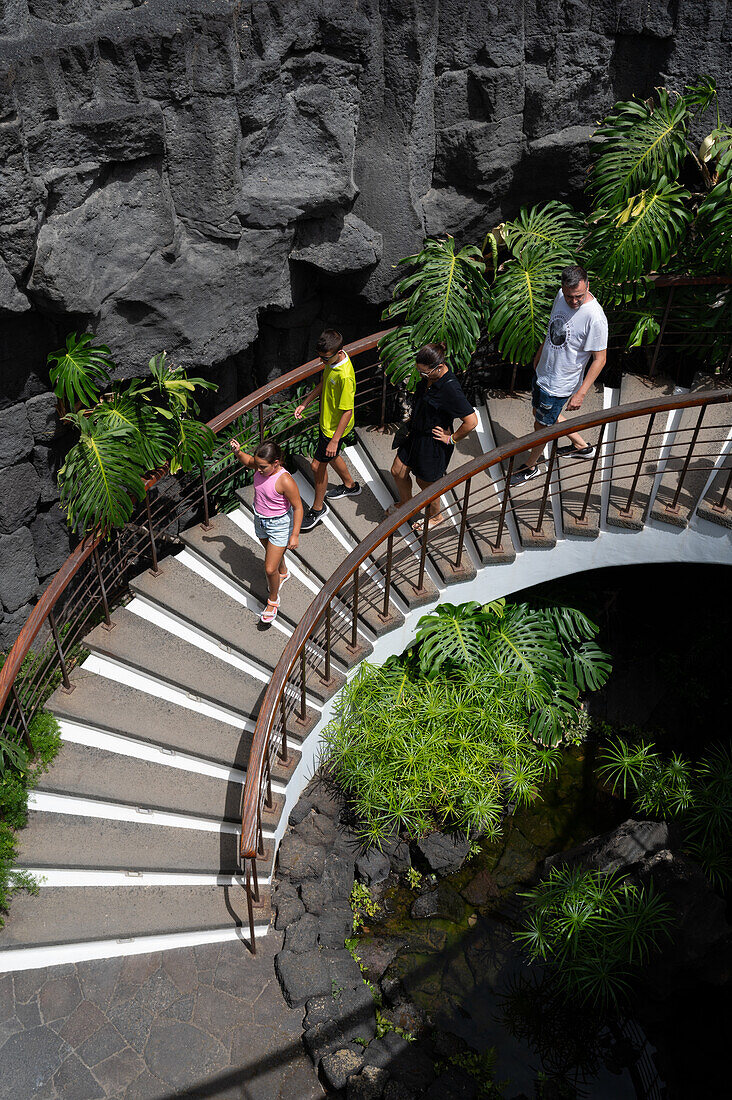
558	332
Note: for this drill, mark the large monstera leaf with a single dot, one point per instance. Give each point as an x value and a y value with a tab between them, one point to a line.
454	633
553	227
640	235
444	299
641	143
522	296
150	433
713	228
101	476
78	369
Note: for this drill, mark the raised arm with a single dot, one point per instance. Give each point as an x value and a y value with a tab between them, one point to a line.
242	456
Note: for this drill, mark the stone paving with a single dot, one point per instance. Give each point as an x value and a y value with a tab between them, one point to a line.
202	1022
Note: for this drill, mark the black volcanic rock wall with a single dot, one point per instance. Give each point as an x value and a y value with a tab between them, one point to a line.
219	178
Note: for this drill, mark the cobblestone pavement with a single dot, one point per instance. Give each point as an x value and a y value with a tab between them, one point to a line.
197	1022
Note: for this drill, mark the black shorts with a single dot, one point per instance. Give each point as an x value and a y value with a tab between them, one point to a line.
323	441
426	457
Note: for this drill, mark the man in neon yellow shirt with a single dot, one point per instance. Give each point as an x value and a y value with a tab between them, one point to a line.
337	393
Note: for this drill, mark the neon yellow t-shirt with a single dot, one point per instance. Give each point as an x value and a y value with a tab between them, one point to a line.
337	395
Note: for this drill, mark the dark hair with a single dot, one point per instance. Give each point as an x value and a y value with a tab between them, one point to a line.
431	355
573	275
269	451
329	342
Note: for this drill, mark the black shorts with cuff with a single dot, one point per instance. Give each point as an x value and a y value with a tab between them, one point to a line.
323	441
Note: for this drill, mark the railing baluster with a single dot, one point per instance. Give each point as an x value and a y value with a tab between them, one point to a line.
250	906
68	686
423	548
354	623
23	723
463	523
283	711
598	447
260	833
382	418
641	459
674	505
154	569
550	469
722	506
387	577
255	877
326	679
268	800
303	688
504	504
206	521
107	621
260	415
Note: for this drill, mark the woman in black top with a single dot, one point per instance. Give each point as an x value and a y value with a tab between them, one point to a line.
428	446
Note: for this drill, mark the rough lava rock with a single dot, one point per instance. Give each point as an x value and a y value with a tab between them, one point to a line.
373	867
442	853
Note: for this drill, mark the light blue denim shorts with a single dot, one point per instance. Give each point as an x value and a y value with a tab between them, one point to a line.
277	529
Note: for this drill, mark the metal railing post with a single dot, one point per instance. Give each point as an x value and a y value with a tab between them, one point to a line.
382	418
206	519
154	569
722	506
283	751
542	508
354	624
463	523
326	679
303	689
423	548
23	723
268	799
641	458
68	686
387	578
107	620
598	446
504	504
250	906
260	414
674	505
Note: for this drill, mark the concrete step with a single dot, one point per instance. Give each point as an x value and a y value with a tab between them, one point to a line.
574	475
72	840
483	509
511	417
73	914
239	559
709	442
87	772
626	452
204	607
101	703
145	647
711	507
319	555
442	544
359	516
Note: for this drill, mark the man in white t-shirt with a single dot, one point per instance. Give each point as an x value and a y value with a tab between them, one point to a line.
576	337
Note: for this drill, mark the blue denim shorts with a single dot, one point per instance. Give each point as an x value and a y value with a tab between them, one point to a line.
277	529
546	407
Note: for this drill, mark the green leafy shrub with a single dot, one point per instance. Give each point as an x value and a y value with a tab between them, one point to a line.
15	782
125	432
594	930
698	795
468	720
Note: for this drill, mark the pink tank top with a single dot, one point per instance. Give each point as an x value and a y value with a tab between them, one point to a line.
267	501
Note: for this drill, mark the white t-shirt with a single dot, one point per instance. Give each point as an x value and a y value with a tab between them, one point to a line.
572	336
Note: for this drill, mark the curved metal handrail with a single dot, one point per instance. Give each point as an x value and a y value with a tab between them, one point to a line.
87	548
256	777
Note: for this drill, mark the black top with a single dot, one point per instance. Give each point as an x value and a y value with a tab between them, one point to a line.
435	406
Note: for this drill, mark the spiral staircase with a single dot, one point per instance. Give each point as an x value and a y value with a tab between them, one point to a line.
133	831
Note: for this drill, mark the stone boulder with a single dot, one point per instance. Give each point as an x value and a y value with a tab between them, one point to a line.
444	903
299	860
373	867
442	853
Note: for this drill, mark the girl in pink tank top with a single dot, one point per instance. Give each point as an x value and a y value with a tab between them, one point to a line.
277	516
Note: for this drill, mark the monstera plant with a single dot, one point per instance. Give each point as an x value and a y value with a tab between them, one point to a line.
126	430
657	204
